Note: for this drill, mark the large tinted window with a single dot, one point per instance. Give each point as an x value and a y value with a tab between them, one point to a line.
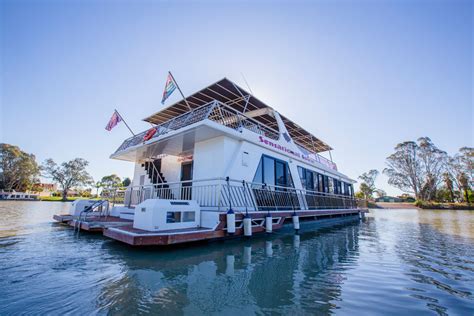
268	170
280	174
330	185
311	180
273	171
320	183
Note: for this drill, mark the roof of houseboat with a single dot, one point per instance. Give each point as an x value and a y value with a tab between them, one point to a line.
231	94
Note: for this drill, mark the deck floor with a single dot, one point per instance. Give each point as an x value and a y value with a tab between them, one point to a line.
137	237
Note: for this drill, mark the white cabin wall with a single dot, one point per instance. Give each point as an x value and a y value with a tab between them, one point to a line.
139	171
224	156
171	168
254	153
211	157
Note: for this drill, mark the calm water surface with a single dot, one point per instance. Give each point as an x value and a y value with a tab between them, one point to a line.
411	262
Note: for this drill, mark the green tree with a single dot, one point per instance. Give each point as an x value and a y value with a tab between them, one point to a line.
460	169
111	181
367	187
464	185
359	195
416	168
18	170
448	183
126	182
69	174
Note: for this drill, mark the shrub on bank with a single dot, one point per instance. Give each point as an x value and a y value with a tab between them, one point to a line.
443	206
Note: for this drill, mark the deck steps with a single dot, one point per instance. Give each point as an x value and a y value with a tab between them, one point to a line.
127	215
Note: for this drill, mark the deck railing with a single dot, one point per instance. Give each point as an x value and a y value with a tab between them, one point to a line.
221	194
215	111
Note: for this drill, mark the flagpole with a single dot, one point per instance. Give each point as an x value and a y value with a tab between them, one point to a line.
125	123
177	86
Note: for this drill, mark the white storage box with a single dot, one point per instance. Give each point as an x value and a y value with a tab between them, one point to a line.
158	214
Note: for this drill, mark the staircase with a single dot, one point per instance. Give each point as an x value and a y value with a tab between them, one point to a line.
153	170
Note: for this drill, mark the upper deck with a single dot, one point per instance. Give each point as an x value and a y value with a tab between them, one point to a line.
229	106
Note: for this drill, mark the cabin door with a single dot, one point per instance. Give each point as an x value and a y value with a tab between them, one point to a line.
186	175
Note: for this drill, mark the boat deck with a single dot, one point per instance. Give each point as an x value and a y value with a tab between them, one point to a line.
93	223
137	237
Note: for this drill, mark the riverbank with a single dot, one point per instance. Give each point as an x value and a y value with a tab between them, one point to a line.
444	206
393	205
421	205
60	199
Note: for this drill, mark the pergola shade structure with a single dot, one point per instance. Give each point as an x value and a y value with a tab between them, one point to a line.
234	96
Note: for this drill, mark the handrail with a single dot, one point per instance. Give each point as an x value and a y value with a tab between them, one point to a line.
228	116
220	113
155	170
214	193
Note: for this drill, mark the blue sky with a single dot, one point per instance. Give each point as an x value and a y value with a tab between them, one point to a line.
361	75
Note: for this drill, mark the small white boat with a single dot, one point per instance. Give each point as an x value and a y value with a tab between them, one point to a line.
18	196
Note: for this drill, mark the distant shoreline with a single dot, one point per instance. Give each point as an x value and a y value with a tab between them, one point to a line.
422	205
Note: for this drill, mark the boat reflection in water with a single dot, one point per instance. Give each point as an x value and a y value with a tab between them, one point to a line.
278	273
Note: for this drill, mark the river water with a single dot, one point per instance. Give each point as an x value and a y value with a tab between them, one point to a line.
411	262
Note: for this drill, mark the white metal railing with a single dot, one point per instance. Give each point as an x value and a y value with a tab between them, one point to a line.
222	114
221	194
215	111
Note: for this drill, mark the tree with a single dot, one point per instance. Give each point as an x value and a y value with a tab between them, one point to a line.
112	181
367	187
448	183
416	168
359	195
380	193
464	185
126	182
18	170
460	169
69	174
110	184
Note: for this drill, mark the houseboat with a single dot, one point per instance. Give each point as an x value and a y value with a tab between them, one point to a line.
220	163
18	196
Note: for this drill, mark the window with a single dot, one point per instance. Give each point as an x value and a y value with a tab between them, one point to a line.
189	216
280	177
326	184
330	185
173	217
311	180
273	171
320	183
337	187
269	171
302	174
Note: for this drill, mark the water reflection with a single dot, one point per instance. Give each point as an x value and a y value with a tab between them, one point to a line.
404	261
266	274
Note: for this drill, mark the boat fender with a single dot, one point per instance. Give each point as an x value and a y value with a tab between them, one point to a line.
247	226
149	134
268	223
230	217
296	222
269	248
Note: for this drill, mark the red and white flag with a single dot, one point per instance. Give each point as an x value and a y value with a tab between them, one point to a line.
114	120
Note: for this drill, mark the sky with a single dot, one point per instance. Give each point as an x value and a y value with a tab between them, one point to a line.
361	75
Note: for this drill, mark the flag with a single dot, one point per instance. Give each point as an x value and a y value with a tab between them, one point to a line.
170	86
114	120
